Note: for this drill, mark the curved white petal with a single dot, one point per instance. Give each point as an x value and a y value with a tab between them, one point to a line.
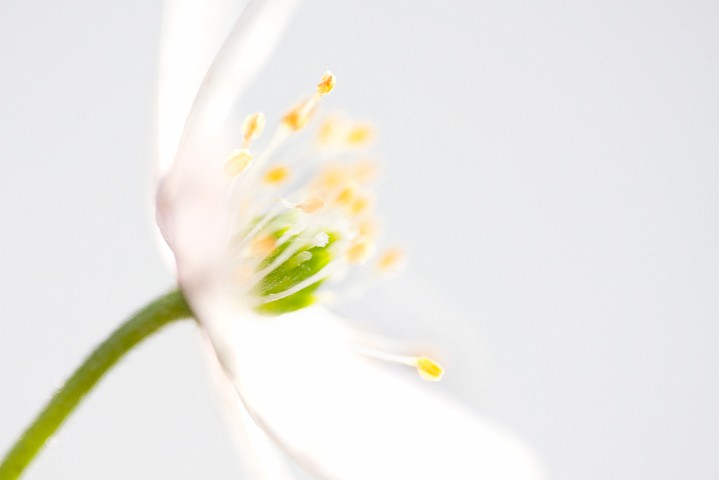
192	34
257	452
191	209
337	414
341	415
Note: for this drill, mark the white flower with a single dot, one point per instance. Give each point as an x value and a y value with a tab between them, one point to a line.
266	232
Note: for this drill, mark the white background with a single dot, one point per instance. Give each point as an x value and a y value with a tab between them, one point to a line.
552	165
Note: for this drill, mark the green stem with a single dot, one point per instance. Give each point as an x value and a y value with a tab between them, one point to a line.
153	317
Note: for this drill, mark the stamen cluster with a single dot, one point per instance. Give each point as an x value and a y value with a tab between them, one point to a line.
303	212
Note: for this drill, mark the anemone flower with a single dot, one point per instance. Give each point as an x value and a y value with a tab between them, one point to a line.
270	217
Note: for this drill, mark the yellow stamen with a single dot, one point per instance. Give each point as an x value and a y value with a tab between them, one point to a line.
263	245
332	177
360	205
328	131
253	126
277	174
346	195
359	135
239	161
428	369
299	115
364	171
311	204
390	259
327	83
360	250
368	228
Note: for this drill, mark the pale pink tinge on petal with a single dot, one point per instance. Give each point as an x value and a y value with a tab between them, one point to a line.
198	85
192	34
191	208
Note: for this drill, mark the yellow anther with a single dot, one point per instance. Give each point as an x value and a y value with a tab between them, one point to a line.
368	228
346	196
364	171
239	161
263	245
327	83
311	204
295	119
332	177
328	131
360	250
390	259
428	369
299	115
277	174
253	126
360	205
359	135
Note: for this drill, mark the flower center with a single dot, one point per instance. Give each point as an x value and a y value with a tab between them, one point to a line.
302	212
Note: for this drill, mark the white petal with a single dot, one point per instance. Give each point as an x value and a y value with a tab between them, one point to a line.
192	33
193	104
340	415
191	209
258	453
337	414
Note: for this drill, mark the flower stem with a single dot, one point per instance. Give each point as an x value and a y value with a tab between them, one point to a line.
162	311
